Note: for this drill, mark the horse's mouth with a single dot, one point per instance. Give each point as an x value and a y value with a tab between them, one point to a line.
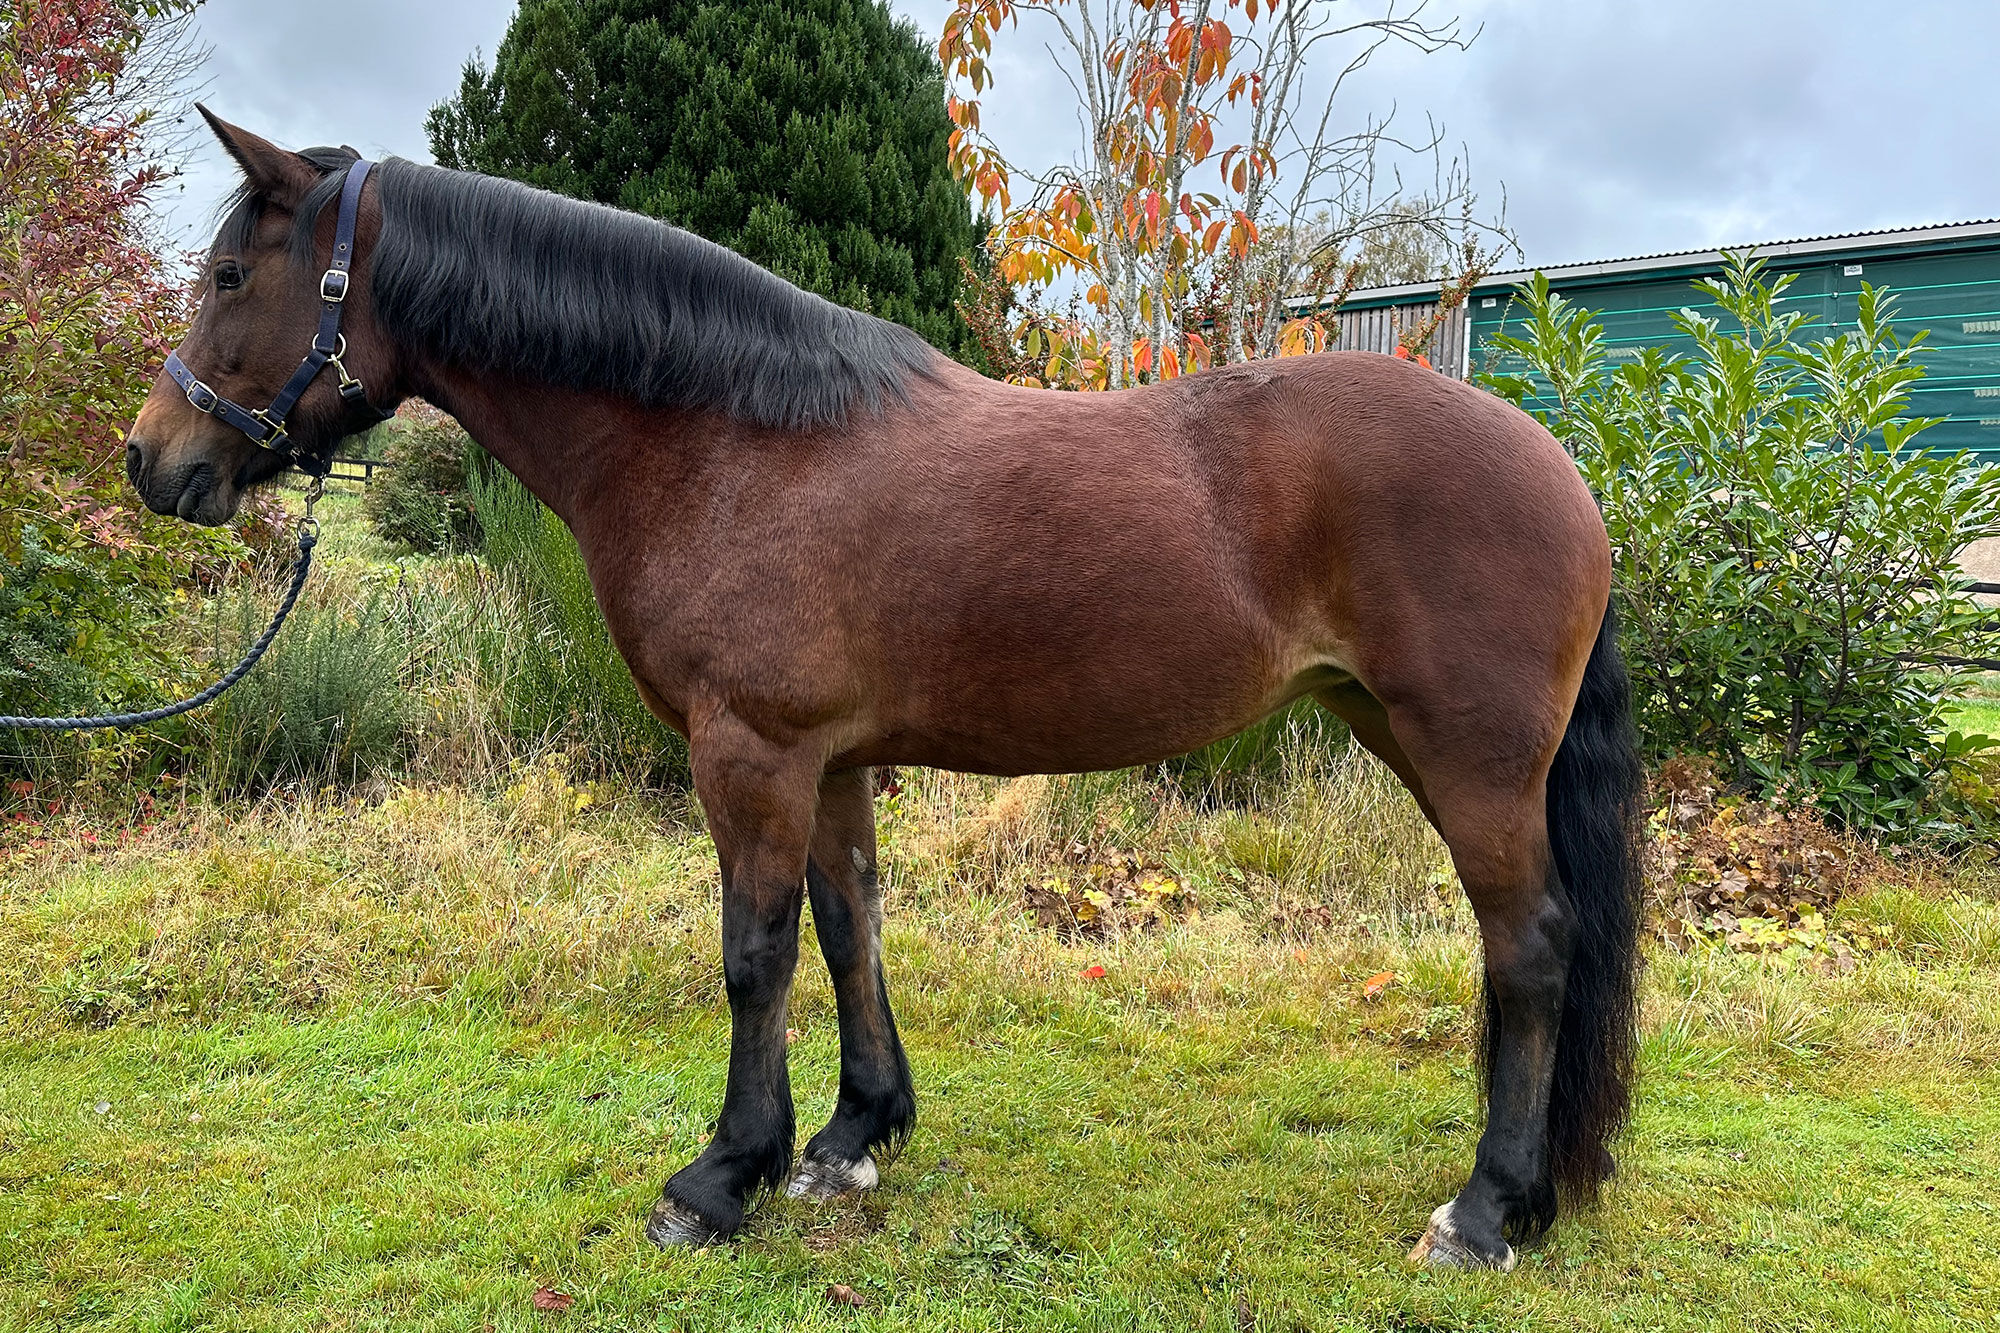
196	491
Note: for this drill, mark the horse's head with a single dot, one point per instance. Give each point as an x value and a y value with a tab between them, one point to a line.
260	309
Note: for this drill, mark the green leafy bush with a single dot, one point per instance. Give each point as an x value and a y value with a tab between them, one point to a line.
1785	554
329	703
559	678
423	500
37	630
90	584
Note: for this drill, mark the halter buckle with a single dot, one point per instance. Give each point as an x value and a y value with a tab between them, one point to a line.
333	286
277	437
202	398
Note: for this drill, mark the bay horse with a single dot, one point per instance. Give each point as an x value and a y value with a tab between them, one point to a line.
821	546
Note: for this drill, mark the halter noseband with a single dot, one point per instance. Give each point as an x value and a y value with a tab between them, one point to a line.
266	426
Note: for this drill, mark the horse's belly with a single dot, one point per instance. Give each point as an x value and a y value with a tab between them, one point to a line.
1074	697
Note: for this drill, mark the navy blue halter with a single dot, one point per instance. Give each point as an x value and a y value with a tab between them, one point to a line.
266	426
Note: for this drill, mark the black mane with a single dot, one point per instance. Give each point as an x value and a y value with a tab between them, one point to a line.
486	273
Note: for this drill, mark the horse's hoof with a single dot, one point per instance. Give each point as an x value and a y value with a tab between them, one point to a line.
1444	1246
673	1225
824	1178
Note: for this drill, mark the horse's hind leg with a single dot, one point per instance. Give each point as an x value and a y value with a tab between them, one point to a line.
876	1105
1484	796
1500	845
1369	721
1542	825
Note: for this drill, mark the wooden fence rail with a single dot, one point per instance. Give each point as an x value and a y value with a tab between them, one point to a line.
363	469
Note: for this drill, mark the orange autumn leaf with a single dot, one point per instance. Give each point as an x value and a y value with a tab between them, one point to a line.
1372	988
1093	972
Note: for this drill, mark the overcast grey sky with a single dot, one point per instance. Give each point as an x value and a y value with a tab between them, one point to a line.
1616	128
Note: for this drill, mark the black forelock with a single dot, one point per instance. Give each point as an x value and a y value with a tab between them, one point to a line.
483	273
242	210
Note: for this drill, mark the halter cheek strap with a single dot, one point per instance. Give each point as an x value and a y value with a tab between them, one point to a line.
266	426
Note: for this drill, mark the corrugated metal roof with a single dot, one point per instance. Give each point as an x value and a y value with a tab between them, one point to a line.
1804	245
1878	236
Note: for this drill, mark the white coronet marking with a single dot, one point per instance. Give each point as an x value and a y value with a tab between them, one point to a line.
819	1178
1443	1246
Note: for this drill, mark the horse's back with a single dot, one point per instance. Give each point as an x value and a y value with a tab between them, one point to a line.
1317	487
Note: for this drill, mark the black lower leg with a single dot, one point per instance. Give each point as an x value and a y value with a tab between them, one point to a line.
1511	1192
877	1104
751	1149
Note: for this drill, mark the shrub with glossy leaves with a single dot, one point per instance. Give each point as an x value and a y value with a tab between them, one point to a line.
1785	549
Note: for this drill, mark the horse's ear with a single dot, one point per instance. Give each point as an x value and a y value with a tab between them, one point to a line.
280	176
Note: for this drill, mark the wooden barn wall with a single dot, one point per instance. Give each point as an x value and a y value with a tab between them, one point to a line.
1380	328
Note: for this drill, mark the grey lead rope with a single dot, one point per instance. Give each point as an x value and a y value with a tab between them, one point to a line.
308	538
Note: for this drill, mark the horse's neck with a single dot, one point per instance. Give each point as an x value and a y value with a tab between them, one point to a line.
568	448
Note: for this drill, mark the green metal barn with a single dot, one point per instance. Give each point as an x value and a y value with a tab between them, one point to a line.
1946	280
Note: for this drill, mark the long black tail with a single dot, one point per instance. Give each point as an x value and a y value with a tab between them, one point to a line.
1596	827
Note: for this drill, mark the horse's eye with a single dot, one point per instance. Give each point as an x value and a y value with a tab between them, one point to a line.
228	276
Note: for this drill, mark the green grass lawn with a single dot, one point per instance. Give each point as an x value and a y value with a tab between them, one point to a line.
1977	709
1085	1166
398	1063
1977	715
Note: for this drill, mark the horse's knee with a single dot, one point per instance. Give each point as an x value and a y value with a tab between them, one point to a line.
758	962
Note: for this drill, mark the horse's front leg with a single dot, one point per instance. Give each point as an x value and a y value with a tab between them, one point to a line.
759	798
876	1105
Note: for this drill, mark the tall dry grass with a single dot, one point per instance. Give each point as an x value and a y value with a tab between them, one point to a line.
540	883
541	891
1323	833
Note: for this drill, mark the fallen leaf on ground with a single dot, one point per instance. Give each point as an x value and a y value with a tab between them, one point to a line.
1093	972
548	1298
1372	988
842	1294
1106	892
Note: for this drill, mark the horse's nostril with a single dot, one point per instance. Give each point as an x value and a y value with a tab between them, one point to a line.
135	461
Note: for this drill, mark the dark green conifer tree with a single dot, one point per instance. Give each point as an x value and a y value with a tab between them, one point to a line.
807	135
